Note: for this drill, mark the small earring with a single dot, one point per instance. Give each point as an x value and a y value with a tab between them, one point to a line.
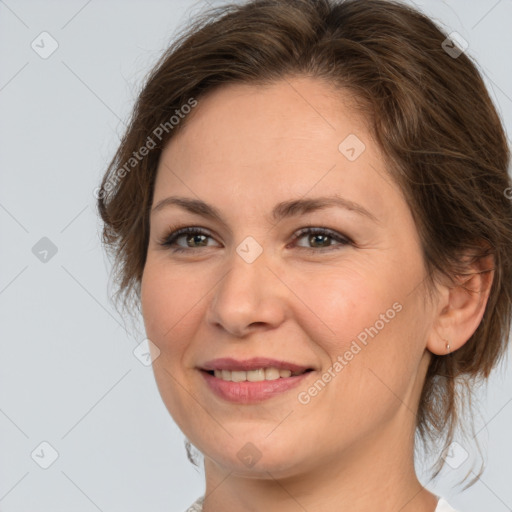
448	348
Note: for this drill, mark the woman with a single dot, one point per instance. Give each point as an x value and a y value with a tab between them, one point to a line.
318	233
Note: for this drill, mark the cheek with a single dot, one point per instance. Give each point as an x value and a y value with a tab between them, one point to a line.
167	302
367	323
347	300
167	305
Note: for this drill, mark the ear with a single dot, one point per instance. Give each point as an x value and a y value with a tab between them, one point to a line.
461	307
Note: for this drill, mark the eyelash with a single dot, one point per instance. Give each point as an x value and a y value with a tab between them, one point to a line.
169	239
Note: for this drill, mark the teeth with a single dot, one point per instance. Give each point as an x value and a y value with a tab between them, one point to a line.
253	375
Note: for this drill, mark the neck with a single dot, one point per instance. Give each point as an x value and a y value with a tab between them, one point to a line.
376	474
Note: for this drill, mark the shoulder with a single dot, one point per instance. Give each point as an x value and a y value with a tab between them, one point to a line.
197	506
444	506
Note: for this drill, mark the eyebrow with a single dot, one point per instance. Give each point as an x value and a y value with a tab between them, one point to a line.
282	210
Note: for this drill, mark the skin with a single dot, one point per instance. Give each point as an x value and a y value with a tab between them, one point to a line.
244	149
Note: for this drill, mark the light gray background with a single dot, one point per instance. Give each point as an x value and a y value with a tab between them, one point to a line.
68	375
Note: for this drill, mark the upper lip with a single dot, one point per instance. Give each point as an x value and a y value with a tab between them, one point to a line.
228	363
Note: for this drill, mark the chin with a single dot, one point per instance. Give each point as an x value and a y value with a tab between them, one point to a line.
253	460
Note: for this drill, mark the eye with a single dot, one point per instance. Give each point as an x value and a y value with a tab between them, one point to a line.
319	237
191	234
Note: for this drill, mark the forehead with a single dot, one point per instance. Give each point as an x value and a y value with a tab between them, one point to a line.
272	142
298	111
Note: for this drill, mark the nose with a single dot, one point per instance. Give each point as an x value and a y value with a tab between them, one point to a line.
250	296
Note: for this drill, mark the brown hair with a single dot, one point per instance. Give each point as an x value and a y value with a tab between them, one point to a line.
429	111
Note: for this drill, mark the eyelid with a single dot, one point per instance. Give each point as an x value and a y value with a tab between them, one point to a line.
315	229
175	232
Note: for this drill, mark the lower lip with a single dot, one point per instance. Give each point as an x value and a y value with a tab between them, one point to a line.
250	392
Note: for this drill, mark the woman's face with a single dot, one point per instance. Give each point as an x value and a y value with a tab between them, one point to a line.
345	301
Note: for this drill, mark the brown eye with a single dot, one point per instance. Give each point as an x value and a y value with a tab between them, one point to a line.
320	239
195	238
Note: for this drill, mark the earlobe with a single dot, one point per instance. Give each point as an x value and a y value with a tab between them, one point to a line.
461	308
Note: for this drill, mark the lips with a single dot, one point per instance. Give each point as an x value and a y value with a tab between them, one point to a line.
231	380
255	363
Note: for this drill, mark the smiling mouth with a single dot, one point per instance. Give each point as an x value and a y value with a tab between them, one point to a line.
256	375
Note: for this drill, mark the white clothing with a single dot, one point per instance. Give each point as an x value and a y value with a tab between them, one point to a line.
442	506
